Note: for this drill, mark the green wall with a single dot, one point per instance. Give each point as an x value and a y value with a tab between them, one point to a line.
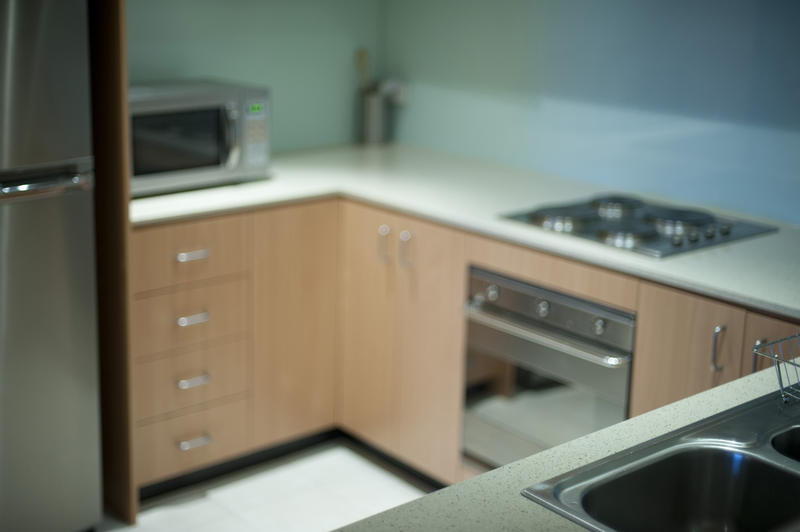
696	101
302	49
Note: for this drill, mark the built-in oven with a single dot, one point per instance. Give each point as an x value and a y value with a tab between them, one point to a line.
543	368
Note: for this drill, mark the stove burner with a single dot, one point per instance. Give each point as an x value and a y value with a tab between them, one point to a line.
629	223
616	207
562	219
626	234
670	222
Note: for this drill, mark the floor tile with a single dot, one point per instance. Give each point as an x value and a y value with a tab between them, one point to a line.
321	488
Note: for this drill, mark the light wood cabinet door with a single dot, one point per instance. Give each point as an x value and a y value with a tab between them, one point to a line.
184	443
368	395
760	328
189	316
166	255
431	288
403	283
675	338
295	286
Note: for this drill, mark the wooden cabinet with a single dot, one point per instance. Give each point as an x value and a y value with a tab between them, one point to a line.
190	344
294	286
403	286
760	328
675	339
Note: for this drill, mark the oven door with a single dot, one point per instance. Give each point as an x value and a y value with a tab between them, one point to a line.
178	148
528	389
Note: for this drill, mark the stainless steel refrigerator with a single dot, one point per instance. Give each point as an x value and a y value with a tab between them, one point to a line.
49	407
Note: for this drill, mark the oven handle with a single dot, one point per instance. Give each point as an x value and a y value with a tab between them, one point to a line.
607	361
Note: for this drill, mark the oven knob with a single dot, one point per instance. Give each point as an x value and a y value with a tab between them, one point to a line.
725	229
677	240
543	309
599	326
710	231
693	236
492	292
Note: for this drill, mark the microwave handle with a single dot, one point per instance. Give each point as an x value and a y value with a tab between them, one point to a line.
230	118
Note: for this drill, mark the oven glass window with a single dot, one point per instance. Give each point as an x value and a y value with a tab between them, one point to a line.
177	141
512	412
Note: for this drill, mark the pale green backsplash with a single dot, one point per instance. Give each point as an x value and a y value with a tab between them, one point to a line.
302	49
696	101
691	100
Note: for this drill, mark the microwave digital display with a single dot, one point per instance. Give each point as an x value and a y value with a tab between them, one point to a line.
178	140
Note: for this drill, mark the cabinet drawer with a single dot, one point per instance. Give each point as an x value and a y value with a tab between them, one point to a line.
190	378
189	251
187	317
179	445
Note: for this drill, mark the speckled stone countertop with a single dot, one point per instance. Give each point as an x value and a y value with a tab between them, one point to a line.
492	501
761	272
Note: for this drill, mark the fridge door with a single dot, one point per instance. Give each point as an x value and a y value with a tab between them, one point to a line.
49	413
44	84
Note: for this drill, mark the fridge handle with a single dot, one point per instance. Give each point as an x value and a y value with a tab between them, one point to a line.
59	185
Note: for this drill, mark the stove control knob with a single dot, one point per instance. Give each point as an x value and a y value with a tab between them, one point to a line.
543	308
710	231
677	240
599	326
492	292
693	236
725	229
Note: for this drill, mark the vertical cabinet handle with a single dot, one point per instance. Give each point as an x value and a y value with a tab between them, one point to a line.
383	242
404	256
758	343
194	443
194	382
191	256
194	319
715	347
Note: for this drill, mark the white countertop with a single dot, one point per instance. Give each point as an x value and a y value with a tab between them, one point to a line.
492	501
761	272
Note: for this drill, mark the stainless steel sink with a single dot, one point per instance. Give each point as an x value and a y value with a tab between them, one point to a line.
736	471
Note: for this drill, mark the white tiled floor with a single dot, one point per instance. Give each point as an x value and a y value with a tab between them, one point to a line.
322	488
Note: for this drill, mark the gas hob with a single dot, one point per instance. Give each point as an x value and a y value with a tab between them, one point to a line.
629	223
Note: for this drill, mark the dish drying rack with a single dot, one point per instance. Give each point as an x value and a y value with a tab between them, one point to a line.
785	356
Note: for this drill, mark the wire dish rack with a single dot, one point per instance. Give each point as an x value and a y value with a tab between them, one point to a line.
785	356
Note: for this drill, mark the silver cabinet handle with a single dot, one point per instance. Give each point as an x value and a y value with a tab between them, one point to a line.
191	256
194	443
403	256
758	343
715	346
383	242
194	382
194	319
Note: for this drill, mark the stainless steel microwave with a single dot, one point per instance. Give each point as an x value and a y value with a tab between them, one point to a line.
196	134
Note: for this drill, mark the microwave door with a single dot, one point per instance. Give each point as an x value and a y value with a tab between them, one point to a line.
177	141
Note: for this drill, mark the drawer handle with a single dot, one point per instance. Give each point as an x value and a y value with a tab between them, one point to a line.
191	256
194	443
194	319
194	382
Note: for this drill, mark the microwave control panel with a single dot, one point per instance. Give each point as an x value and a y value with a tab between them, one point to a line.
256	137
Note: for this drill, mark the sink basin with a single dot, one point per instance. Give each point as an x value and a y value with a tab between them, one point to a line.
736	471
697	489
788	443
